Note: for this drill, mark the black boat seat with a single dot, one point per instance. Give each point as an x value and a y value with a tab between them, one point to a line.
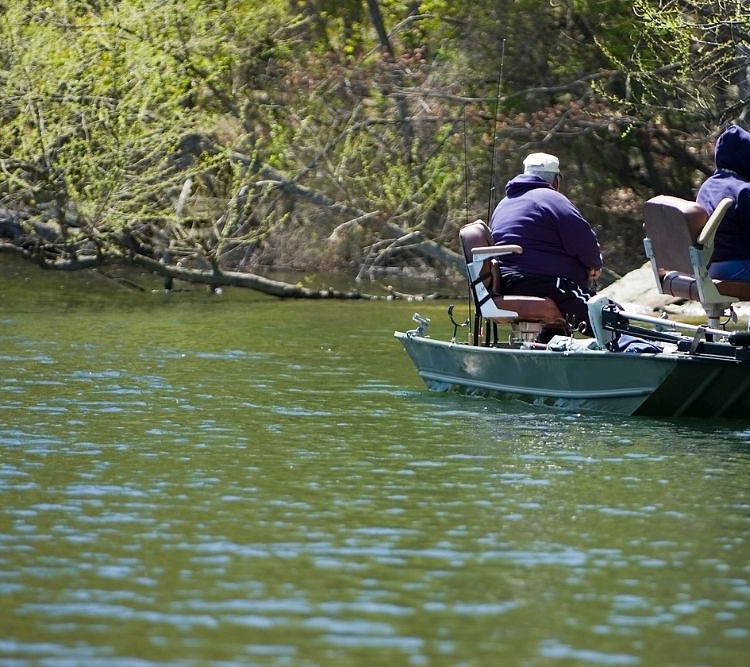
679	239
527	315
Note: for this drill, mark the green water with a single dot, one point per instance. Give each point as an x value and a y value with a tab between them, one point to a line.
237	480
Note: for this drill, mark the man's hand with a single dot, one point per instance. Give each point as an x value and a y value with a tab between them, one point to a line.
595	274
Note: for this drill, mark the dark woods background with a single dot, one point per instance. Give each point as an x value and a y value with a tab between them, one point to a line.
230	135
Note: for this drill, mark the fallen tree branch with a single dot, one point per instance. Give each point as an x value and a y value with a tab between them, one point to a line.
415	242
199	276
248	280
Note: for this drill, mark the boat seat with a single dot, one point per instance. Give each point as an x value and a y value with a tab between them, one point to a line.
527	315
679	241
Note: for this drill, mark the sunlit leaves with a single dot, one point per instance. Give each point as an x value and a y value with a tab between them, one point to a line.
116	112
692	54
97	98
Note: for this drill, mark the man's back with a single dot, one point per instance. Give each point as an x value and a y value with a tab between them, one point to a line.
732	179
556	239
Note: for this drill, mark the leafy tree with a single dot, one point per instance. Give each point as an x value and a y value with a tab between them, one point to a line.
208	137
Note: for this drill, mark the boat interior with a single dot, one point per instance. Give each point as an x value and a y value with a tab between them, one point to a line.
678	242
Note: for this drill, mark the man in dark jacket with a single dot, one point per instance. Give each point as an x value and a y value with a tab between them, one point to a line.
561	258
731	256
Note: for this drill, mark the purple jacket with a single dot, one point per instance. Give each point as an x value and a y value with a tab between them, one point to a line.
555	237
731	179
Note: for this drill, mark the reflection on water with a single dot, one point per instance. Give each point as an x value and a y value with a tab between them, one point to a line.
245	481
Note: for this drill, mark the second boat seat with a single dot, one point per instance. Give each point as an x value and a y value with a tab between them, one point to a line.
679	241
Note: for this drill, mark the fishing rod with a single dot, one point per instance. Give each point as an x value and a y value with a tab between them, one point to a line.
466	322
466	168
736	338
491	198
490	203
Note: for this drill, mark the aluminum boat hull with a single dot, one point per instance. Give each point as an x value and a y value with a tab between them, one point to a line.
657	385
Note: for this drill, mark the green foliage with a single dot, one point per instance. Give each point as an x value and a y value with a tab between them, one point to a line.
98	101
223	124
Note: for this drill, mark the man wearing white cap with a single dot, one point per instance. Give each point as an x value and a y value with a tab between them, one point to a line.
561	257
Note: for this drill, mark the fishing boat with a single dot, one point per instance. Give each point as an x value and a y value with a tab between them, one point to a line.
636	364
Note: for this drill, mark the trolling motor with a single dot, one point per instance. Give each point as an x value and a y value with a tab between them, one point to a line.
704	340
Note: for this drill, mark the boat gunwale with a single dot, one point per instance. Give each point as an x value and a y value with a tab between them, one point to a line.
675	356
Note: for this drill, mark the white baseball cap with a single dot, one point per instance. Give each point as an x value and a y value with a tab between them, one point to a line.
541	163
